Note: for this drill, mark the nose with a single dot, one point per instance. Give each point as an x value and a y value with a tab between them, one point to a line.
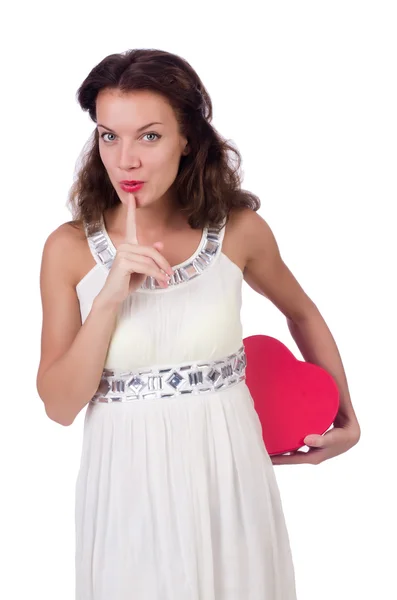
128	158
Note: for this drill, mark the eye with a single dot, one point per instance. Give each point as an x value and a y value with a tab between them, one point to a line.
103	134
156	134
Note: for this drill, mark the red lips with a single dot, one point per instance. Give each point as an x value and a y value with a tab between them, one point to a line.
131	182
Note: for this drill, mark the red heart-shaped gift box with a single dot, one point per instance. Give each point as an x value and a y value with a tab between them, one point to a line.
293	398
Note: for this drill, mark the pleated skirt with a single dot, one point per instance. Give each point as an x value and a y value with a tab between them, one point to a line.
176	499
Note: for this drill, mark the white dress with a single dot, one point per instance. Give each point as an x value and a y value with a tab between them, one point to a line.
176	496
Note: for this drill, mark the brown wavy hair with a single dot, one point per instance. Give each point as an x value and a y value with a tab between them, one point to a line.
208	182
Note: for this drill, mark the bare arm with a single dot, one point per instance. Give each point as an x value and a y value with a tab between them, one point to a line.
72	354
270	276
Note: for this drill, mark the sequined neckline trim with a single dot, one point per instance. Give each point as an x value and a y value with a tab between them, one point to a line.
209	248
183	263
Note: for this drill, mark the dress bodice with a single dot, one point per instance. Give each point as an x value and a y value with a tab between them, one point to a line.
196	318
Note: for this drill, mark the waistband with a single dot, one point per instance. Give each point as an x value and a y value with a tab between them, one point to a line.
174	380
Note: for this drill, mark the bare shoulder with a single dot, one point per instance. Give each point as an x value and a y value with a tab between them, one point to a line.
66	248
65	236
265	271
69	232
234	246
250	226
254	235
244	229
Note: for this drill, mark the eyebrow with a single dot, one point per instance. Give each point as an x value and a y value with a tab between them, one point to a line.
140	128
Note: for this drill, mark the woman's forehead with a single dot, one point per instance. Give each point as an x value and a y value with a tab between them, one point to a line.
135	108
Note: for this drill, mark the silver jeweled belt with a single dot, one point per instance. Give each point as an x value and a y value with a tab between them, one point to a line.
195	378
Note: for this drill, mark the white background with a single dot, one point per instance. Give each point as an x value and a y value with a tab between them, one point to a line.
307	91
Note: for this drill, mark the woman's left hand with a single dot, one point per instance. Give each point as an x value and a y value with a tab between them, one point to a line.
337	440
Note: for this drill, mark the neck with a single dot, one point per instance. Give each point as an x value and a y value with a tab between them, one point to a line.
152	220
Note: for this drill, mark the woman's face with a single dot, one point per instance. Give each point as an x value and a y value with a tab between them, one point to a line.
132	150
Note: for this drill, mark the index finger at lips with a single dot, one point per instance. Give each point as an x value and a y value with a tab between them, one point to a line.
130	229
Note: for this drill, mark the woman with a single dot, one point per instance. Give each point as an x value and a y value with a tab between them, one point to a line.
176	496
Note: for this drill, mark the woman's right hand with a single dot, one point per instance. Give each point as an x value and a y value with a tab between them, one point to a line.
132	264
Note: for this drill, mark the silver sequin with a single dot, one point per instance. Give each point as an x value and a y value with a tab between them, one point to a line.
209	248
176	380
